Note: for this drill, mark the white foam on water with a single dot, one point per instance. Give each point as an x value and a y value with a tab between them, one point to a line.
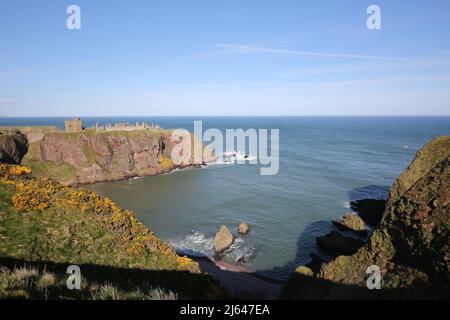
234	157
346	204
197	244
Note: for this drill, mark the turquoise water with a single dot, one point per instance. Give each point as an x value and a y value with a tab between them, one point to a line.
324	163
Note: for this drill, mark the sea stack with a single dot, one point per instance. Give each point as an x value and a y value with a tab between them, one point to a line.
244	228
223	239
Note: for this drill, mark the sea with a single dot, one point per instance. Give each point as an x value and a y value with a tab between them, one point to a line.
324	163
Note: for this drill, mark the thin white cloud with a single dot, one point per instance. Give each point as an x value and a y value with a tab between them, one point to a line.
251	49
9	101
413	64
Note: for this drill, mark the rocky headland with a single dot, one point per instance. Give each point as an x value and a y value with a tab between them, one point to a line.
410	244
90	156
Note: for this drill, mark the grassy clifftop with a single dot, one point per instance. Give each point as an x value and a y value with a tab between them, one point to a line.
45	225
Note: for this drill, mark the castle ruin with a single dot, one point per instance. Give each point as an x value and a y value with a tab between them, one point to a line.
76	125
73	126
124	126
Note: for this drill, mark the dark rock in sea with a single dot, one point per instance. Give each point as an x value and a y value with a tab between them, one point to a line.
315	263
351	222
336	243
13	146
223	239
370	210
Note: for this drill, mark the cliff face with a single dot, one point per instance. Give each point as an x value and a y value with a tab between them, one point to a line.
13	146
90	156
411	245
426	159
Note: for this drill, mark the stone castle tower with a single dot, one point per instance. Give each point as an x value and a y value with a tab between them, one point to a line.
72	126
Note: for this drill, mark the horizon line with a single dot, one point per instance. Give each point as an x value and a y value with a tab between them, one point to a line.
223	116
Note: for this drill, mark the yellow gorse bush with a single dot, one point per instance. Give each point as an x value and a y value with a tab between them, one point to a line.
185	263
36	195
9	174
19	170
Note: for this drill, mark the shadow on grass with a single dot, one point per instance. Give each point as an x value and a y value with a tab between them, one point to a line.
185	284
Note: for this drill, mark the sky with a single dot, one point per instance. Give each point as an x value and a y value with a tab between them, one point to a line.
224	57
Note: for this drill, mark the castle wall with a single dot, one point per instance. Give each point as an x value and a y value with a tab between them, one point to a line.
72	126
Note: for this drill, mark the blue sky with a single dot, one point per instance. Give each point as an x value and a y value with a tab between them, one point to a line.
222	57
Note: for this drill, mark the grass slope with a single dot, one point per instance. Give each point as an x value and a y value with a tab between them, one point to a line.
47	225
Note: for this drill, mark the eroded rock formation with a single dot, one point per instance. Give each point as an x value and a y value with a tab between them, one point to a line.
411	245
89	156
13	146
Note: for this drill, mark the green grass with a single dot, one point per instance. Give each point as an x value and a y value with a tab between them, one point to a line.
36	282
91	156
62	171
119	257
32	129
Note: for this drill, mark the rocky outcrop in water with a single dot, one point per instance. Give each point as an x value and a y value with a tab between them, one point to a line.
337	244
243	228
13	146
351	222
90	156
410	246
223	239
370	210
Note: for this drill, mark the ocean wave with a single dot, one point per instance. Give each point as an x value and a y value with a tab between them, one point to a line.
197	244
235	158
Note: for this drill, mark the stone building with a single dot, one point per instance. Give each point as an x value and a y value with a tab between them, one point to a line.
123	126
74	125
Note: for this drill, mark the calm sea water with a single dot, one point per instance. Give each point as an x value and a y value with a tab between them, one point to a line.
325	162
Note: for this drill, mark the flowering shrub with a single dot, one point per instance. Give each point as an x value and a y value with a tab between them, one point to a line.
133	241
185	263
34	196
19	170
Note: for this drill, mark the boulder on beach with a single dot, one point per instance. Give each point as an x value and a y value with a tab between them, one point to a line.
244	228
223	239
336	243
370	210
351	222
